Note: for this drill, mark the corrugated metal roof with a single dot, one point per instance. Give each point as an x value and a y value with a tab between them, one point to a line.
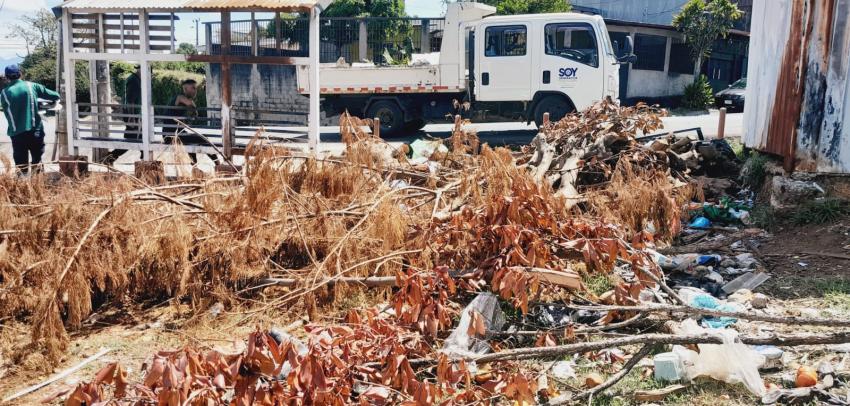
286	5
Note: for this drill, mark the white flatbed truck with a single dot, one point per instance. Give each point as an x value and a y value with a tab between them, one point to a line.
514	67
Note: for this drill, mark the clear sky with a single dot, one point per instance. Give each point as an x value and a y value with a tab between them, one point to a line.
12	47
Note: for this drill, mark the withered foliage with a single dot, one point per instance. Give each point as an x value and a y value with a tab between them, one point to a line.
369	360
480	221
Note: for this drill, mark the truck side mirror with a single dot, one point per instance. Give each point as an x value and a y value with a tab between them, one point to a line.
628	54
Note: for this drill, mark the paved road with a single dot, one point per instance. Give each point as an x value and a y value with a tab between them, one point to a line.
491	133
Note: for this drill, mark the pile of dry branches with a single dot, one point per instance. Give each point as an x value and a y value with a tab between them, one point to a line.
480	221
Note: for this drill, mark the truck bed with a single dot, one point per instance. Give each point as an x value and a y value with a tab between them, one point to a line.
375	79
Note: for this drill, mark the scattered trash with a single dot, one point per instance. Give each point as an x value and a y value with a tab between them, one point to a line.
806	377
668	367
563	370
731	362
485	307
749	281
710	302
700	222
772	357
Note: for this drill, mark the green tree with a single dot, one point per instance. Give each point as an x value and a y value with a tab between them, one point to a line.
37	30
702	22
529	6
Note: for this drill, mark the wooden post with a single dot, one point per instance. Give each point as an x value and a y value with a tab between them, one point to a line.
721	125
546	118
226	100
376	127
315	47
74	166
147	98
173	46
65	145
362	42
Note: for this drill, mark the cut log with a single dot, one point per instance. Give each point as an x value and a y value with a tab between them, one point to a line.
74	166
151	172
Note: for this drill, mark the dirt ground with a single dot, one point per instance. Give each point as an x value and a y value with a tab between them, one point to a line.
795	257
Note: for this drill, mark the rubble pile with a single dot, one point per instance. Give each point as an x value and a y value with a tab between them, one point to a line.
484	256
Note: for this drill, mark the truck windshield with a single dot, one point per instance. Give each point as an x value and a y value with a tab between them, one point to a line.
575	41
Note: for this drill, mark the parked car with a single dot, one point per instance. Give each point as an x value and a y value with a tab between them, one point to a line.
733	97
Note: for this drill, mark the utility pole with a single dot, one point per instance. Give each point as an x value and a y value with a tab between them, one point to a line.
197	27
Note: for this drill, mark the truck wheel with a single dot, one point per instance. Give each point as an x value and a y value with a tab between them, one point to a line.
414	125
556	106
392	119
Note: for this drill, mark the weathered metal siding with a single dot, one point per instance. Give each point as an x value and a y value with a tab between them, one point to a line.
798	95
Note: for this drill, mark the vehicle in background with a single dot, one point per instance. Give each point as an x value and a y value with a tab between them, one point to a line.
498	67
733	97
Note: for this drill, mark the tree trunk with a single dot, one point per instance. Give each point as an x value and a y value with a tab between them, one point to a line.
697	68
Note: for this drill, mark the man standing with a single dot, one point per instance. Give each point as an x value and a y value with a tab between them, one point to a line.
19	102
130	111
183	105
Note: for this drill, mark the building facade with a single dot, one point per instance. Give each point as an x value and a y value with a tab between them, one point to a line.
664	65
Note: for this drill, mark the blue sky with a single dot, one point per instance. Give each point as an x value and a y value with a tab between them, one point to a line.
11	48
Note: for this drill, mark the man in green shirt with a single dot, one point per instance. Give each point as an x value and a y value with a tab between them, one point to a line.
19	102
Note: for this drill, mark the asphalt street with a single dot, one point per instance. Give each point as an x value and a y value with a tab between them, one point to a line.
512	133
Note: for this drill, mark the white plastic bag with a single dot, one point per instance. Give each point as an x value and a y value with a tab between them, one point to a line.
730	362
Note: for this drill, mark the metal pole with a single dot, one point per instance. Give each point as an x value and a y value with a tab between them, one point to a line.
315	46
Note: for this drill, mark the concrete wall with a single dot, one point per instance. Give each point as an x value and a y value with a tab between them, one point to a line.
650	83
262	87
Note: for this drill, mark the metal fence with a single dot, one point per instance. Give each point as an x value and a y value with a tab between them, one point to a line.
376	39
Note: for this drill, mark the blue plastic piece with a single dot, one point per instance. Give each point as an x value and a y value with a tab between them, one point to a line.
700	222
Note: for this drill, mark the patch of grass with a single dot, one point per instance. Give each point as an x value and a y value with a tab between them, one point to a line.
763	216
754	171
703	391
820	212
836	293
597	284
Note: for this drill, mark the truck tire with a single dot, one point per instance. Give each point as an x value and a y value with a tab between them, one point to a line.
392	118
415	125
557	107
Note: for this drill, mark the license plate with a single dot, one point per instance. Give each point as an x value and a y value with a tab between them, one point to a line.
727	101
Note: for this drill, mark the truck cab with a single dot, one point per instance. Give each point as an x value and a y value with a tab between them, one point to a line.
489	67
555	63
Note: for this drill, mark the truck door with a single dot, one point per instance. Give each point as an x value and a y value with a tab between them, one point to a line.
571	62
502	71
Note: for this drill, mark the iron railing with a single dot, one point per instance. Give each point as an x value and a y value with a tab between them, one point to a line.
382	40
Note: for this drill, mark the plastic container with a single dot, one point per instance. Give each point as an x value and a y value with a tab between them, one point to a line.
668	367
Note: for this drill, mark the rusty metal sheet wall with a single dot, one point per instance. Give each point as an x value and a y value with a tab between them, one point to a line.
834	142
768	35
798	94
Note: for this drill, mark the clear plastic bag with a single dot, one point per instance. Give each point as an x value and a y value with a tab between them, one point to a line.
730	362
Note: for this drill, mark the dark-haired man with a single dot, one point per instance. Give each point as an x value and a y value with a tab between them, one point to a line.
19	102
183	105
